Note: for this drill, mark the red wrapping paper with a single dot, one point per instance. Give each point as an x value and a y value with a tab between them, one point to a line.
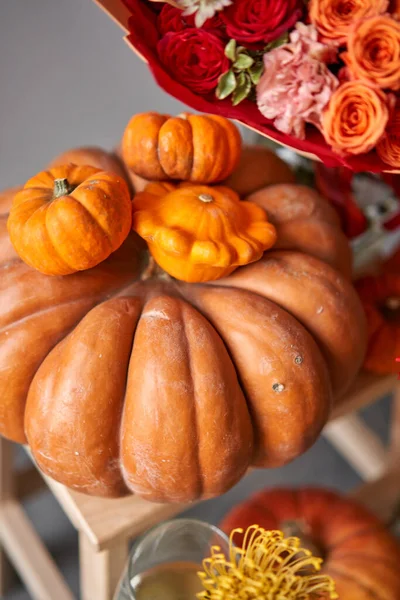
143	37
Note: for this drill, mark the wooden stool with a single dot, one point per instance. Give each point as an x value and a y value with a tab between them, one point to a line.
106	526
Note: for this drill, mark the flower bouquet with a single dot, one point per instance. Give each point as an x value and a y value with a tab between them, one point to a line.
321	76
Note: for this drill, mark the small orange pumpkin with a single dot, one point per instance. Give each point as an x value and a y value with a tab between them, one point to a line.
258	167
196	148
198	233
69	219
380	297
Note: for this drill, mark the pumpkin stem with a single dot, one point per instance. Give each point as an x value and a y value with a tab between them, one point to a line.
299	529
61	187
154	271
206	198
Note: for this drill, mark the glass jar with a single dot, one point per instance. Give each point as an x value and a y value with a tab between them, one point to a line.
163	564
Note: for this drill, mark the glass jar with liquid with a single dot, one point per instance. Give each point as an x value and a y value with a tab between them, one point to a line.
163	564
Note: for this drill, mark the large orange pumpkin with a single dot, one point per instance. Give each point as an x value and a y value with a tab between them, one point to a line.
359	553
69	218
380	296
196	148
171	389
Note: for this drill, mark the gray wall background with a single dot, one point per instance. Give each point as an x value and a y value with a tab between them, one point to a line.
67	79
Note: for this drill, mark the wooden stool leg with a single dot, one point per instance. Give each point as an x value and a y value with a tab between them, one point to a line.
100	571
7	573
359	445
394	448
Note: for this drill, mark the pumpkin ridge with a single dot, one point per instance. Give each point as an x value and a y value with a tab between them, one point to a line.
44	208
196	151
385	561
158	152
334	499
102	229
87	185
48	309
45	183
186	173
299	267
204	304
197	306
55	248
372	593
378	528
253	243
56	335
193	148
110	466
102	297
195	423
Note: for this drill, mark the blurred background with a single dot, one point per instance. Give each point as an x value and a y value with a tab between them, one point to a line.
68	79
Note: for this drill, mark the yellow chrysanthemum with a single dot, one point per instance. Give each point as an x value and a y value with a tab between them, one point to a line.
269	567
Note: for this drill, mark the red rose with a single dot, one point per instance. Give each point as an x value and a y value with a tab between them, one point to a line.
170	19
194	57
173	19
254	23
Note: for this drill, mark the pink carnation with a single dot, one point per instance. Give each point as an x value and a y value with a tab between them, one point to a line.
297	85
304	38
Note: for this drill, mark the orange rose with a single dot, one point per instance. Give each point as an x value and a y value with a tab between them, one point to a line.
373	52
356	118
334	18
389	146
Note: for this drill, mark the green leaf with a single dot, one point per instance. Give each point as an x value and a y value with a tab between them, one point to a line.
226	85
230	50
241	79
283	39
256	71
243	88
241	49
243	62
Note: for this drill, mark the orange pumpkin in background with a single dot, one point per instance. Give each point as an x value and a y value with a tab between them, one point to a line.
380	296
126	384
195	148
199	233
359	553
305	221
392	264
69	218
258	168
93	157
6	199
